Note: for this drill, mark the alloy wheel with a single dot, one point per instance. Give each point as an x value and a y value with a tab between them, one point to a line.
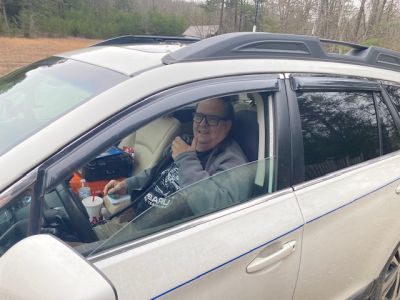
391	278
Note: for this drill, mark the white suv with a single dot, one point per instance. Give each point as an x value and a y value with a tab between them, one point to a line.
320	219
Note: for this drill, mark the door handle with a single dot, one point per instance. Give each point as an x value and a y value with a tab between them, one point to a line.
260	263
397	190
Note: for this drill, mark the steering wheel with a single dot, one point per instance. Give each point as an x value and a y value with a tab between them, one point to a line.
77	213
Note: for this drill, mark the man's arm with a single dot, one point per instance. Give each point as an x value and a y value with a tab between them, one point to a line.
138	181
205	193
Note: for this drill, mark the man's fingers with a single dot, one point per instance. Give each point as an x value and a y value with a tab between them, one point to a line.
109	187
179	140
194	144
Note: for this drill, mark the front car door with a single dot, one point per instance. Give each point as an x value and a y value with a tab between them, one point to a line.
246	249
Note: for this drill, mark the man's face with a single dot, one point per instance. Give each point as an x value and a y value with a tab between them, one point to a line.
209	136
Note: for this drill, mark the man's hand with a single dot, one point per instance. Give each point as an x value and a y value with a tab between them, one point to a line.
179	146
115	187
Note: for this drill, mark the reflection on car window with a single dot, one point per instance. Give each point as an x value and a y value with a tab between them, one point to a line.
210	195
34	96
339	130
394	94
389	132
14	219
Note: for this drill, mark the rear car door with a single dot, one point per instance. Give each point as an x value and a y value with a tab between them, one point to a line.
348	178
250	249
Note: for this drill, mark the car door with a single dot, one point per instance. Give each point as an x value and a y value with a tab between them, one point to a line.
249	250
348	176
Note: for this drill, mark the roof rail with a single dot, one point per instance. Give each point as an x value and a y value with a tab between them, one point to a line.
346	44
146	39
247	45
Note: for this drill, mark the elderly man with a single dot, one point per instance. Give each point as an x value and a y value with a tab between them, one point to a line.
211	151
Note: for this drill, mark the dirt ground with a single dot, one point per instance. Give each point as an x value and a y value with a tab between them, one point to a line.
17	52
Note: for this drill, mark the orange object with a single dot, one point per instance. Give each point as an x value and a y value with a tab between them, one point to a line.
96	187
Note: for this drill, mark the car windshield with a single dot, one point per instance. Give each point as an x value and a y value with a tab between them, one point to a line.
38	94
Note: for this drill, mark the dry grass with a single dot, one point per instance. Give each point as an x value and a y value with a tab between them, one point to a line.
17	52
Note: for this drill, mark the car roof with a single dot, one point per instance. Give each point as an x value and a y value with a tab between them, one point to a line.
126	59
134	54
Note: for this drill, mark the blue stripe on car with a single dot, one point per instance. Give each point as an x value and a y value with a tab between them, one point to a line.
352	201
225	263
266	243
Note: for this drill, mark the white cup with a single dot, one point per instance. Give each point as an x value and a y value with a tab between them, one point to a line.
93	208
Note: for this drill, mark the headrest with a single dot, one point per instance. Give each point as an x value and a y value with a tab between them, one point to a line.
245	133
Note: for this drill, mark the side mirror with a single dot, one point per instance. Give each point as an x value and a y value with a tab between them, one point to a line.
43	267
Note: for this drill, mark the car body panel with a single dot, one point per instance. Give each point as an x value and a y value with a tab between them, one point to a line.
352	219
215	263
126	60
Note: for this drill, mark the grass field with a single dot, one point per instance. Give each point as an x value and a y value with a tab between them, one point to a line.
17	52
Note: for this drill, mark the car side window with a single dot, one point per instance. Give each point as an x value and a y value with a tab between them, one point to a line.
339	129
389	131
14	219
220	191
394	94
160	190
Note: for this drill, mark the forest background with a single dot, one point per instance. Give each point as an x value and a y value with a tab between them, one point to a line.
365	22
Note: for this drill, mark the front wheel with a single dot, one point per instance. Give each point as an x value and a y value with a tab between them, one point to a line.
388	285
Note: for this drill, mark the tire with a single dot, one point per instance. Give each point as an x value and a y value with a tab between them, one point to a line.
388	283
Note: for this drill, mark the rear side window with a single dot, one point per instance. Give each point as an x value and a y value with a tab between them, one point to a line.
339	129
394	94
389	132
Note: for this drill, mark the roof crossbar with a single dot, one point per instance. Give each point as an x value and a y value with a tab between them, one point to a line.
247	45
146	39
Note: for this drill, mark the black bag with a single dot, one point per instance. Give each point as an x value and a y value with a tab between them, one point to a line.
113	163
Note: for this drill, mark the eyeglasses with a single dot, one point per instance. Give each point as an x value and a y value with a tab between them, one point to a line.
210	119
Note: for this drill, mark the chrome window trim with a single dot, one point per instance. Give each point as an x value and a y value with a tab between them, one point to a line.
345	170
183	227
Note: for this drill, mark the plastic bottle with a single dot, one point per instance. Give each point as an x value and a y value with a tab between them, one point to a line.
84	191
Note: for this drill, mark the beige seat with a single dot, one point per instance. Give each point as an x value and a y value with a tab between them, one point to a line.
150	141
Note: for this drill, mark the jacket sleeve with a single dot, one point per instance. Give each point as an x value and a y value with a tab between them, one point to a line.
208	192
190	168
138	181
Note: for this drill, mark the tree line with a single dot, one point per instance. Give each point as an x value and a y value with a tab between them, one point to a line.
361	21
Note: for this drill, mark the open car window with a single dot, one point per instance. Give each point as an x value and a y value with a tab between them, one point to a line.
159	194
218	192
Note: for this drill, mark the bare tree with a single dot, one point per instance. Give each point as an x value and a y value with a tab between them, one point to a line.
221	17
341	19
357	24
4	12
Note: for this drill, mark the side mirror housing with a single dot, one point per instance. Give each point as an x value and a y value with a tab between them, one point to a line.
43	267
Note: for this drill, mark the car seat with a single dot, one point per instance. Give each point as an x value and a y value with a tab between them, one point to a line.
245	132
150	141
